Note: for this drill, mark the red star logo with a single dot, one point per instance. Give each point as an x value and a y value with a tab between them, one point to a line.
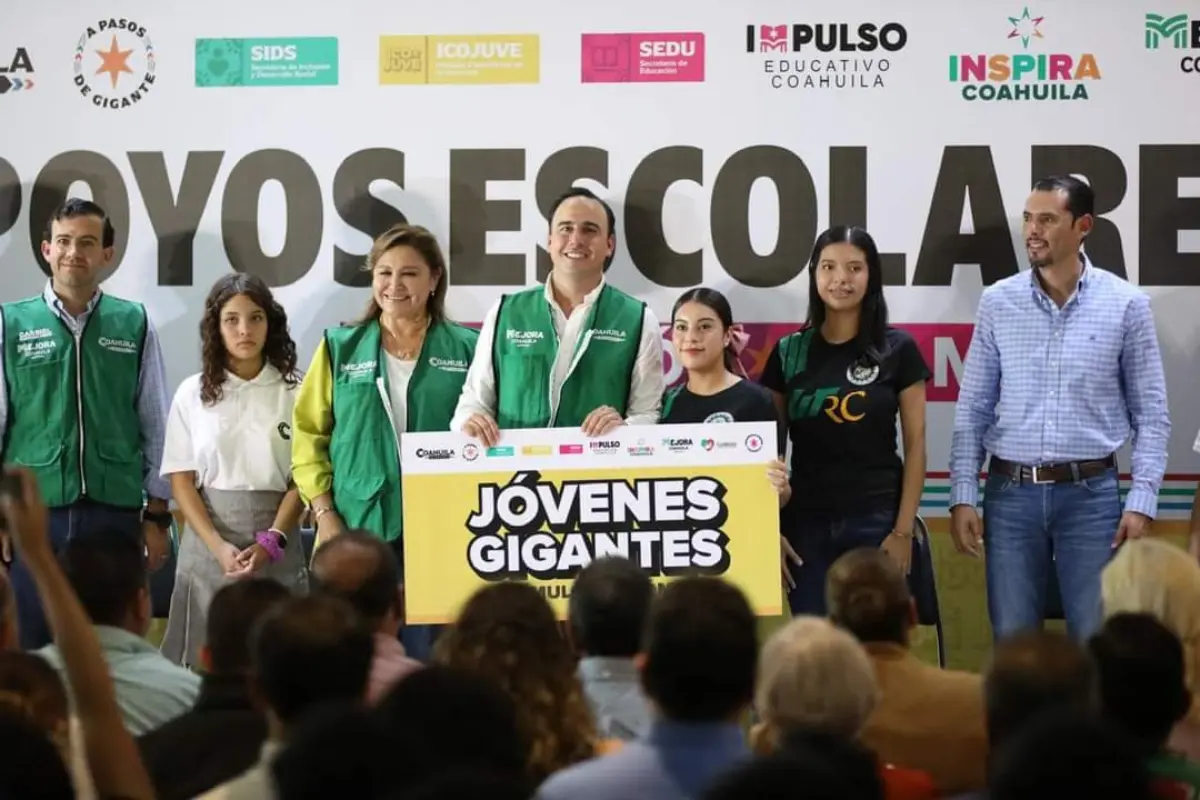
114	61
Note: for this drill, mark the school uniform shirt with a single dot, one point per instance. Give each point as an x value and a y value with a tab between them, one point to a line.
240	443
742	402
842	421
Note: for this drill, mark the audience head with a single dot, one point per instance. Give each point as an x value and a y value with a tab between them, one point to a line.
107	570
867	594
1140	664
362	570
609	603
232	615
305	652
1032	673
448	720
1156	577
700	651
32	766
337	750
799	772
813	676
29	686
10	635
1068	753
508	633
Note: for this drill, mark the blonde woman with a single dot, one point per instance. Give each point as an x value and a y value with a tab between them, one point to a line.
1155	577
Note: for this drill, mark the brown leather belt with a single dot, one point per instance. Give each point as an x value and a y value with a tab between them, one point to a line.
1062	472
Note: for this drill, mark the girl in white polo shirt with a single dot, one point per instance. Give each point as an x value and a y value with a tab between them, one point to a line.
228	457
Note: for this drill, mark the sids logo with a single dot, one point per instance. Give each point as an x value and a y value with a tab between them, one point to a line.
303	61
16	75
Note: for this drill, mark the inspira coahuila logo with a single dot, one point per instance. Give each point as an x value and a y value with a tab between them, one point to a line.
115	64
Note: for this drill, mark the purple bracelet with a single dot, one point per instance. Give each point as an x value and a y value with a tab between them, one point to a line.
268	541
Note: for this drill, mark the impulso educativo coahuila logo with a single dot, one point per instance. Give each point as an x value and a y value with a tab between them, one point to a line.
1031	74
1176	32
826	55
115	63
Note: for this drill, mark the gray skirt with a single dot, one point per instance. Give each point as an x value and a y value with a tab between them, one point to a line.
236	515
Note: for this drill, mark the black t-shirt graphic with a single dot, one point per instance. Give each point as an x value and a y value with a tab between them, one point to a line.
742	402
842	419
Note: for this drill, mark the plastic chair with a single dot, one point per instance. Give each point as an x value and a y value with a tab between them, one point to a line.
922	584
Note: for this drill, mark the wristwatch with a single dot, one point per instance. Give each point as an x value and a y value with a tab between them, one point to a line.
160	518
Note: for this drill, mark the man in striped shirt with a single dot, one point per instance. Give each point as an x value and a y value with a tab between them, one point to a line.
1064	368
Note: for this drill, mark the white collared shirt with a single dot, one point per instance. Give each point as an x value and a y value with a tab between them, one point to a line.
243	442
645	387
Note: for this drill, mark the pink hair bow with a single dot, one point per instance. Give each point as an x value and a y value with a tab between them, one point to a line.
738	339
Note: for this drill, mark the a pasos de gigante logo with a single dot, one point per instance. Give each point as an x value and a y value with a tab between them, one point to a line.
16	75
1177	33
827	55
642	58
115	64
301	61
1028	75
467	59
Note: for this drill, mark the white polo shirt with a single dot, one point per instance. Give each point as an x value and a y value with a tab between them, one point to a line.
243	442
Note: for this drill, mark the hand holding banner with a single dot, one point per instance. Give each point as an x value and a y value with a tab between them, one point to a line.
538	507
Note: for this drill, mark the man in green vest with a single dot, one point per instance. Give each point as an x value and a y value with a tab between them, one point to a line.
83	403
576	352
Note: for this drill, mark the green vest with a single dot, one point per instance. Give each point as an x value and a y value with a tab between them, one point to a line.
363	448
73	420
793	358
525	346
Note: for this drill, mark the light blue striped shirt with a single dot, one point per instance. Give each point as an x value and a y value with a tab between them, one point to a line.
152	399
1043	385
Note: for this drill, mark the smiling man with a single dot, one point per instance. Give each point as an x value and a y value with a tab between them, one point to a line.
1064	368
576	352
83	402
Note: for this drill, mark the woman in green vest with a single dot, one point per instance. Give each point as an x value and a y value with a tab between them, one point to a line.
716	391
398	369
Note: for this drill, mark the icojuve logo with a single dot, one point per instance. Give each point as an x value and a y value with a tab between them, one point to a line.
302	61
826	55
435	453
1176	33
470	452
531	527
642	58
523	338
448	364
17	74
468	59
1026	75
118	345
120	50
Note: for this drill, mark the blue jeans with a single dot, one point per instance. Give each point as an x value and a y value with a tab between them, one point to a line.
819	540
83	518
1030	529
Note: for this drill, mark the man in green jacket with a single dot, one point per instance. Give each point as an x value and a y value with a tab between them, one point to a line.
83	403
576	352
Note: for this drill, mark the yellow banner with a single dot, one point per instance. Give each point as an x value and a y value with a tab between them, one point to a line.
470	59
472	519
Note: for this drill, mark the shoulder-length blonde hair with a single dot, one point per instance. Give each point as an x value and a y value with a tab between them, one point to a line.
425	243
508	633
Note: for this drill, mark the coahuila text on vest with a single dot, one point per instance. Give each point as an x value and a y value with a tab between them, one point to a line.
448	364
531	527
118	345
609	335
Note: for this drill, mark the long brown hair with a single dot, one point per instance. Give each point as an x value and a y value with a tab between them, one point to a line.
279	350
508	633
425	243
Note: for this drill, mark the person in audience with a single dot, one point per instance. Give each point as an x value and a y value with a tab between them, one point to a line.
304	652
228	455
79	365
339	750
1142	691
361	569
222	735
507	632
801	772
576	352
698	660
1063	369
717	389
398	369
1066	753
32	765
10	634
107	570
816	689
839	384
607	610
926	718
1155	577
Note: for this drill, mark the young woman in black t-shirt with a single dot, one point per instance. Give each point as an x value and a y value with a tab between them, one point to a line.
707	343
839	384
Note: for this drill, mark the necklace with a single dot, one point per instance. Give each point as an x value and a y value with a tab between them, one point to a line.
406	353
